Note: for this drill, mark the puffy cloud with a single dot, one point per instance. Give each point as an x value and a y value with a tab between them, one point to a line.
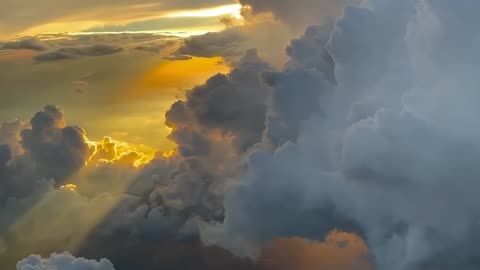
64	261
10	135
386	160
309	51
234	104
56	149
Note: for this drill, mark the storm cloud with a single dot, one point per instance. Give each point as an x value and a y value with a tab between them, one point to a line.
386	176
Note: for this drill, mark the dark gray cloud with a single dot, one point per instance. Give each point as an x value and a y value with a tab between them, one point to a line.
303	88
10	135
56	149
234	104
5	156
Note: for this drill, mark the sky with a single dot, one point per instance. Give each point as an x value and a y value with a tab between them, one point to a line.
27	17
239	134
115	85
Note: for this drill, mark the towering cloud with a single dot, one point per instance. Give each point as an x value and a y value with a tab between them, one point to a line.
57	150
387	160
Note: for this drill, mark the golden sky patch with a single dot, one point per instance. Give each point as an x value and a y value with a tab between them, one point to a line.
171	76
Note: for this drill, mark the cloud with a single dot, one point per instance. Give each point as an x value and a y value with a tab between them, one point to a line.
56	149
234	104
233	42
298	13
177	57
74	52
338	251
387	175
226	44
26	44
10	135
152	208
64	261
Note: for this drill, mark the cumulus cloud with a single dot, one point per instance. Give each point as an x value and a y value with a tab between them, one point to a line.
56	149
153	209
64	261
10	135
402	175
234	104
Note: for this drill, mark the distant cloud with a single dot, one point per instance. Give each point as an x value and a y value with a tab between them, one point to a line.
26	43
64	261
175	57
226	44
74	52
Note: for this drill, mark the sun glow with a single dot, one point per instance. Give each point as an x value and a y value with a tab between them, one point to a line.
170	78
70	187
116	152
232	10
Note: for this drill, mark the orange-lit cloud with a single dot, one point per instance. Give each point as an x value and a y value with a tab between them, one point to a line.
111	151
340	251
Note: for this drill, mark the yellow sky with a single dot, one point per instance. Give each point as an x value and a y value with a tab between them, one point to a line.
89	20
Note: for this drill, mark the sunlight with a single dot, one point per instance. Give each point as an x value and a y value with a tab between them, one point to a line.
169	78
232	10
70	187
117	152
